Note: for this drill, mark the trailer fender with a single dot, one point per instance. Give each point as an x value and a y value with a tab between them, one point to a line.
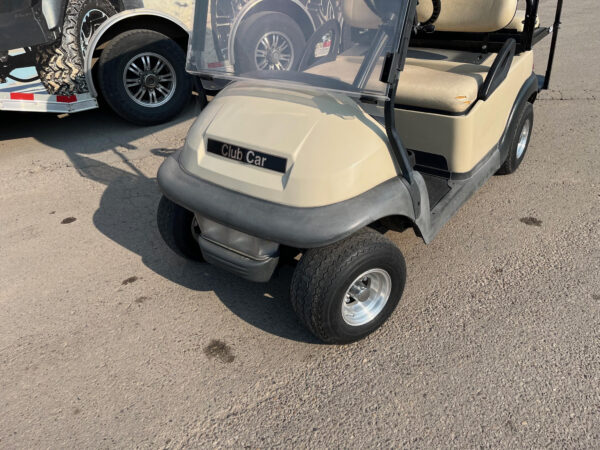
141	18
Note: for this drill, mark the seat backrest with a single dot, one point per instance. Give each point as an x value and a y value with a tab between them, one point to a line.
472	16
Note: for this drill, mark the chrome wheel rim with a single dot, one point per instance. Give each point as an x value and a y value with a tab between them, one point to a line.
149	80
366	297
89	24
522	145
274	51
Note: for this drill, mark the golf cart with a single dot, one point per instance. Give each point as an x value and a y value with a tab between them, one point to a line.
396	131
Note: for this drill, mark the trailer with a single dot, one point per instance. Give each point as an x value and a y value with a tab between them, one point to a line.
60	56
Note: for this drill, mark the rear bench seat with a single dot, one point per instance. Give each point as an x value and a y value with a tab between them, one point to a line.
442	80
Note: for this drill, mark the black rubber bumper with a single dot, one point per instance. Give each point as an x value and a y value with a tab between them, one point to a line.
294	227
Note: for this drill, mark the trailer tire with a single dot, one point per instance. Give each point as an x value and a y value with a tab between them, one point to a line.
60	65
266	25
123	54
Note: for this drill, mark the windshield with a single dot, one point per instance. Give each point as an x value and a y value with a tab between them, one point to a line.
337	45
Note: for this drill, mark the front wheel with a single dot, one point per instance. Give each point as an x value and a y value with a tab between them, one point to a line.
179	229
347	290
142	77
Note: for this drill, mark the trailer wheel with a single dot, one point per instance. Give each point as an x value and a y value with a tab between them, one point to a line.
520	135
345	291
142	77
179	229
269	41
60	65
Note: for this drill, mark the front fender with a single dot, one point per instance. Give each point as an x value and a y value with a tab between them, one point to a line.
115	21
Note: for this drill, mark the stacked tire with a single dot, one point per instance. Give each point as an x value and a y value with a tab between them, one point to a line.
60	65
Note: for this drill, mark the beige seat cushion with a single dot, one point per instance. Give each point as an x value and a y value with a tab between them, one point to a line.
449	86
443	80
518	23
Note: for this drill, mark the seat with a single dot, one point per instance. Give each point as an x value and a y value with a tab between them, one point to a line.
445	81
442	80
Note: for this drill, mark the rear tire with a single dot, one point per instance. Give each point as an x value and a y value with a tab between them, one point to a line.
520	136
60	65
175	225
324	277
125	52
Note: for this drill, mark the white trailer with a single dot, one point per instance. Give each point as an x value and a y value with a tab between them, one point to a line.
134	59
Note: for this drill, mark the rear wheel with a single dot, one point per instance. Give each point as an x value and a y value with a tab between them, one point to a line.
345	291
520	135
269	41
142	77
179	229
60	65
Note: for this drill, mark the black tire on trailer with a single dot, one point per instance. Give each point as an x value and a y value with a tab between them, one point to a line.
142	77
270	25
60	65
179	229
519	138
345	291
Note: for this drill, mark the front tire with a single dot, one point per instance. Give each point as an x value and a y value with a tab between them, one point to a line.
60	65
142	77
347	290
179	229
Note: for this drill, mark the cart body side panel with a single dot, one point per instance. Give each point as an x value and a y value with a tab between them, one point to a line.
464	140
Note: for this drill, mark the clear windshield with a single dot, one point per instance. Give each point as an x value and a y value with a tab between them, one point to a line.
338	45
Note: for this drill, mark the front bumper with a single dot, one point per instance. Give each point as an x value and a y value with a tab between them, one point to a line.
257	270
294	227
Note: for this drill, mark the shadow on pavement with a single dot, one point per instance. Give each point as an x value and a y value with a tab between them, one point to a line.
127	214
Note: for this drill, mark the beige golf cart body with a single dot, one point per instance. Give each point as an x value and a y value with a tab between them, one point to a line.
308	158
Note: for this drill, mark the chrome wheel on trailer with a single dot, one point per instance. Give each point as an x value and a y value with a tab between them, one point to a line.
274	51
149	80
142	77
269	41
